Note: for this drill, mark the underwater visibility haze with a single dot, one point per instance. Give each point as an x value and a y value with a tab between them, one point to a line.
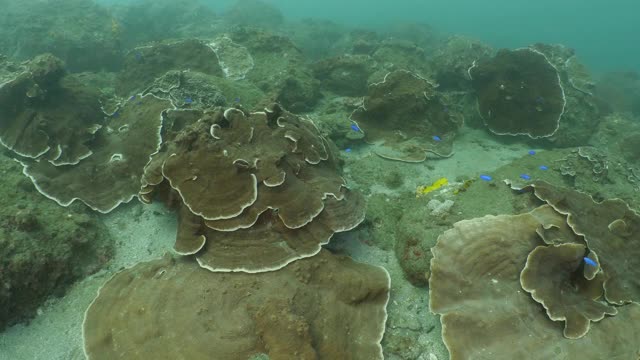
357	180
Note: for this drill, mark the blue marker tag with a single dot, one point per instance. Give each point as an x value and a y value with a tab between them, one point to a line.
436	138
347	149
525	177
542	167
532	152
355	127
485	177
590	262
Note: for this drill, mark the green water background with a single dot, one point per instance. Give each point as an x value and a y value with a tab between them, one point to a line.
606	34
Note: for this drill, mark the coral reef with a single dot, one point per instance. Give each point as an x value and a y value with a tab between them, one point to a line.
519	93
280	70
110	173
581	112
81	33
47	114
484	311
264	183
325	307
143	64
408	117
43	249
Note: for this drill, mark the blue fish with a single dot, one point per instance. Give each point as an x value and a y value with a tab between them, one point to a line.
486	177
532	152
525	177
540	100
446	109
115	115
589	261
133	97
138	56
237	99
355	127
543	167
347	149
188	100
436	138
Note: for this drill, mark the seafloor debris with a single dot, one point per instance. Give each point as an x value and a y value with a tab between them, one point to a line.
326	307
519	93
255	191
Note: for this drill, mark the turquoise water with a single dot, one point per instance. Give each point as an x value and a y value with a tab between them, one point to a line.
604	33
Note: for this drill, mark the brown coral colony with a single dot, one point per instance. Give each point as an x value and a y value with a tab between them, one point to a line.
264	185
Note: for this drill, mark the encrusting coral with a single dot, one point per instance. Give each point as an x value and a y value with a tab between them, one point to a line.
519	92
255	191
325	307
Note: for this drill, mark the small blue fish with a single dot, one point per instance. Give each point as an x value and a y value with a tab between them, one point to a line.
525	177
446	109
139	103
115	115
236	99
486	177
532	152
133	97
355	127
540	100
138	56
543	167
188	100
347	149
589	261
436	138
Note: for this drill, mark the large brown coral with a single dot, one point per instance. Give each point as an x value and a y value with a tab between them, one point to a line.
326	307
610	229
255	191
475	286
407	116
519	93
110	174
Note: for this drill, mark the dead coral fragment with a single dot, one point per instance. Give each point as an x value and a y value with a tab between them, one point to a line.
404	113
264	187
552	276
327	307
519	93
